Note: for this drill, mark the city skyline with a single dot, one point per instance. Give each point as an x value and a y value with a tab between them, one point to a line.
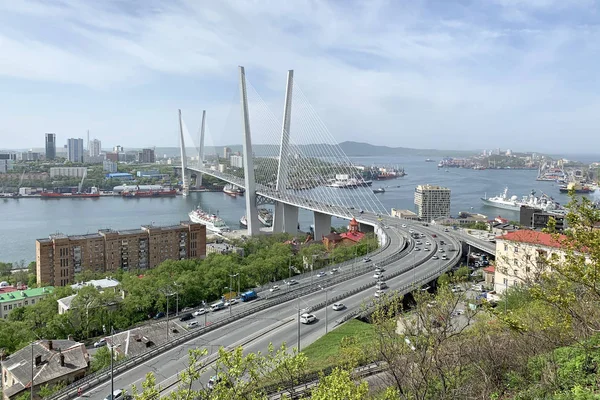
427	75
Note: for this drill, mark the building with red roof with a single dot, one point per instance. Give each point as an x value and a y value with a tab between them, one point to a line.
522	255
349	238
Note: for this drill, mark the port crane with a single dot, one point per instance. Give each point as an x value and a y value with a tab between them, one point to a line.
81	183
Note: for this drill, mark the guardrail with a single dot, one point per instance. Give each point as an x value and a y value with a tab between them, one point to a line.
119	367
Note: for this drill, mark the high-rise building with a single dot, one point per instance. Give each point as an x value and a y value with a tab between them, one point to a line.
60	257
118	149
6	162
226	153
75	150
50	146
432	202
236	161
146	156
95	148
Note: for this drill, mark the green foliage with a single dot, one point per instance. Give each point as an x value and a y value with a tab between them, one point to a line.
48	390
101	359
462	274
482	226
339	385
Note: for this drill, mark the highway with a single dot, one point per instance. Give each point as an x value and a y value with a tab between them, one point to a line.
279	323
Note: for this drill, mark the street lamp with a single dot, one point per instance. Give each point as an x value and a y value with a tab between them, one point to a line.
112	357
326	303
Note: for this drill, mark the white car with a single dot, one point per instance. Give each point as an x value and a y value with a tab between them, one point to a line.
233	301
379	269
477	288
274	288
435	257
441	251
381	285
200	312
366	259
411	231
321	274
426	249
444	257
307	318
213	381
427	243
457	289
457	312
419	242
333	271
379	293
404	226
292	282
417	249
116	395
100	343
338	306
377	275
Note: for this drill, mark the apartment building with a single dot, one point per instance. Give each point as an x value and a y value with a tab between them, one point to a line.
11	300
60	257
72	172
521	256
432	202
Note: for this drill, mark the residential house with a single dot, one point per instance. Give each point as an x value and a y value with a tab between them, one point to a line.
14	299
45	362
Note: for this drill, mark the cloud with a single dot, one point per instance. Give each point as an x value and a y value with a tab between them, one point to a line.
418	74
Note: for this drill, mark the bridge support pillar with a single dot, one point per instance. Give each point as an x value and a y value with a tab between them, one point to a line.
282	169
322	225
185	186
290	219
250	183
201	150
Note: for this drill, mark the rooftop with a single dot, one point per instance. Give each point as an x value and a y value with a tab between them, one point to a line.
24	294
533	237
49	367
104	283
431	187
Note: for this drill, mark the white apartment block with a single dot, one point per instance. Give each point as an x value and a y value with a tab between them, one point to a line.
522	255
236	161
432	202
74	172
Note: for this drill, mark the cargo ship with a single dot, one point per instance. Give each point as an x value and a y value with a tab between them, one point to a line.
233	190
579	189
129	194
93	193
213	222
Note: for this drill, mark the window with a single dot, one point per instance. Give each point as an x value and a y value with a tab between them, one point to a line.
505	281
32	301
515	261
5	307
505	247
516	249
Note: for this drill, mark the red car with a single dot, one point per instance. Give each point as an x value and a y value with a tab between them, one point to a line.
433	235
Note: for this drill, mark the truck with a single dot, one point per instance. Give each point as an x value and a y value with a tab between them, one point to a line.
250	295
217	306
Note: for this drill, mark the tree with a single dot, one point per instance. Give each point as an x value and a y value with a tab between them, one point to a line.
339	385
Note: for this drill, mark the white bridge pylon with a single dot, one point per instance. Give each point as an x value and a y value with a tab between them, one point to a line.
298	174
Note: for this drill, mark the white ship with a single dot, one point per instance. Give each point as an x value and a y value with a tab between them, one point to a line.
212	221
243	221
513	203
265	217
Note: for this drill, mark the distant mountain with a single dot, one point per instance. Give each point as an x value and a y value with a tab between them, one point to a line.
351	149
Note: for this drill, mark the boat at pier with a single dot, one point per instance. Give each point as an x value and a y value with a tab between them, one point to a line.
140	193
513	203
233	190
265	217
243	221
213	222
93	193
577	188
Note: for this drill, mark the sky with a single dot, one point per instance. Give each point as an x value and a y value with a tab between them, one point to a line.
518	74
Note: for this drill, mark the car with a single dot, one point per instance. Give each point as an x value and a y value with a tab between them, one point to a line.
446	230
116	395
419	242
292	282
435	257
441	251
433	235
333	271
444	257
404	225
457	312
200	311
274	288
431	304
417	249
366	259
426	249
307	318
457	289
427	243
361	211
212	382
159	315
100	343
411	231
377	275
187	309
193	324
381	285
338	306
379	269
321	274
233	301
477	288
379	293
186	317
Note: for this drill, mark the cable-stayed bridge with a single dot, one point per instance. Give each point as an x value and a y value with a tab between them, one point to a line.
302	166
